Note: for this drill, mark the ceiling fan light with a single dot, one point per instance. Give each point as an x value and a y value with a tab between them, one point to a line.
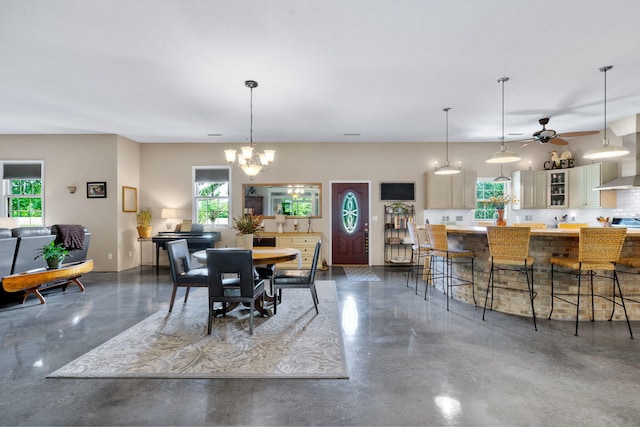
606	151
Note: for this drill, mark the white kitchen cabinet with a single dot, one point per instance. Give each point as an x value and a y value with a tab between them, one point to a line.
530	188
583	179
456	191
558	188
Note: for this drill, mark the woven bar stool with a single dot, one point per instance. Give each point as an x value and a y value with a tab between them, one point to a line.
509	251
531	225
420	251
630	262
447	258
598	250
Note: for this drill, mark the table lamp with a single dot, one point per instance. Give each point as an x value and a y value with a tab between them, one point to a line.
168	213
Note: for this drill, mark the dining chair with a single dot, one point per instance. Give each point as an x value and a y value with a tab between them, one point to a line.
182	274
265	271
509	251
243	287
598	250
290	279
420	251
448	258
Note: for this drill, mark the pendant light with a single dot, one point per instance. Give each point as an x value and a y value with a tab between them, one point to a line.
501	177
605	150
503	156
250	164
447	169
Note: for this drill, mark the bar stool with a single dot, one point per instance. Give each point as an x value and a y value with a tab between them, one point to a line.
448	257
572	225
633	263
598	250
420	251
509	251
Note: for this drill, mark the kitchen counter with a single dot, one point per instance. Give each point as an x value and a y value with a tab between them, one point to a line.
544	244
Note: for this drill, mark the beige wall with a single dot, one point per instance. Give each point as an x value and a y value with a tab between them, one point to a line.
162	173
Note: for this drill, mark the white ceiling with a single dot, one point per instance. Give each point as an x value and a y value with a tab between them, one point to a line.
174	70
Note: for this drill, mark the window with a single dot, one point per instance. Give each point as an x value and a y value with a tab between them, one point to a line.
22	192
485	188
211	195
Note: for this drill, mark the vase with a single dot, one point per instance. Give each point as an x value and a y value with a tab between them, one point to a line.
247	241
499	218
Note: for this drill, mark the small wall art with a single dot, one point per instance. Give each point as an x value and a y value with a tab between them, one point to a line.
96	190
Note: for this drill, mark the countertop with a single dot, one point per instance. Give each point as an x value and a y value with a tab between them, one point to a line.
565	232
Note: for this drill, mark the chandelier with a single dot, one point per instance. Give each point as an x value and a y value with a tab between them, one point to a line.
249	162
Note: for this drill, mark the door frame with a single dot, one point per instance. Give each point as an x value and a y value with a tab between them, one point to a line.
347	181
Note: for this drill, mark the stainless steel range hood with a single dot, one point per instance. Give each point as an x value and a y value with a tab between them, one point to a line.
630	141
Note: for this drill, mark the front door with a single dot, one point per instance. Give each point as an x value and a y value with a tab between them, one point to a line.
350	223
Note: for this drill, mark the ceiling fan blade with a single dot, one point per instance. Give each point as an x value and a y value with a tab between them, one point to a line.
527	143
574	134
559	141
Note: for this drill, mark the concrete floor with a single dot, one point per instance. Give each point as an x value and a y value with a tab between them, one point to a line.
410	363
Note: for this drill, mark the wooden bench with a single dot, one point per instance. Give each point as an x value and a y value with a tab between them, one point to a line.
33	281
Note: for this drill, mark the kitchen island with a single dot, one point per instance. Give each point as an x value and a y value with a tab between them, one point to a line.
545	243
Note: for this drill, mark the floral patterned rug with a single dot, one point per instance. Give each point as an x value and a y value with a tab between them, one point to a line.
295	343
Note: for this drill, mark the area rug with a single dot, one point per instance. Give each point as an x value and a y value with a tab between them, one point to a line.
360	274
295	343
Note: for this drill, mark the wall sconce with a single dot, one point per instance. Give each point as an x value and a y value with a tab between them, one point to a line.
168	213
72	189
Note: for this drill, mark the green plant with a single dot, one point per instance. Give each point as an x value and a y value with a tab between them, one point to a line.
143	218
247	224
52	251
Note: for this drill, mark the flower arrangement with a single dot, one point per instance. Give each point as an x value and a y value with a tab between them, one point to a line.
499	202
247	224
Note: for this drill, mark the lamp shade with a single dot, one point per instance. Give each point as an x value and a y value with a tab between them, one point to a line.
606	151
168	213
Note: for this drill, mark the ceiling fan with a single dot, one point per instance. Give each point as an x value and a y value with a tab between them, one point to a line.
544	135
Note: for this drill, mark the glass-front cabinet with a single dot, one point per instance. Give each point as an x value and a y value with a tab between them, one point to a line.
557	194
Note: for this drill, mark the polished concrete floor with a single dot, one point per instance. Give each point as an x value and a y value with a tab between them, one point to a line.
410	363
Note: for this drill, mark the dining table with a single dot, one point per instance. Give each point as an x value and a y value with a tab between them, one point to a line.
262	255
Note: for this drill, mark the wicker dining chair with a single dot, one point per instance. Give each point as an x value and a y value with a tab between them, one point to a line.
598	250
509	251
447	258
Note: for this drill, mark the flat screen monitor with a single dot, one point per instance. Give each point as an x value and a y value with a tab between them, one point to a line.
398	191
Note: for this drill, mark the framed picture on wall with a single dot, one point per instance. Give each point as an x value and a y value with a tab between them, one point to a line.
96	190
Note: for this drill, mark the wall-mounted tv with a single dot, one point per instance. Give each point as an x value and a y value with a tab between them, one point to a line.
398	191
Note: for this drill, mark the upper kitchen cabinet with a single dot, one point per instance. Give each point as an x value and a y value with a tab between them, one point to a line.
456	191
582	181
530	189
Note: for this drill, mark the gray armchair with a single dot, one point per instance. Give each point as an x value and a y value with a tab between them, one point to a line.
181	272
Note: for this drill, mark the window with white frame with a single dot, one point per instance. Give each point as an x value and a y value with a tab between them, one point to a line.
211	195
485	188
22	192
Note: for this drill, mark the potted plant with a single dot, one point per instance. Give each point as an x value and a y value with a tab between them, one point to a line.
247	225
143	219
53	254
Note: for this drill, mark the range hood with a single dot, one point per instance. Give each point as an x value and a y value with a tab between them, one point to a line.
629	141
